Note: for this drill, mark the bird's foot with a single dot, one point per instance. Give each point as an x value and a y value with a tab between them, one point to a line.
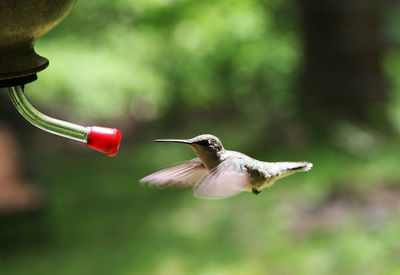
255	191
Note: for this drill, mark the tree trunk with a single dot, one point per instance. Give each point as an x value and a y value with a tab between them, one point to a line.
343	76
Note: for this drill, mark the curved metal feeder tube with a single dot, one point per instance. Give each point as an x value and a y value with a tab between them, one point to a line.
103	139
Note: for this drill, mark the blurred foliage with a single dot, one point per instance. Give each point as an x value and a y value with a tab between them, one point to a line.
142	58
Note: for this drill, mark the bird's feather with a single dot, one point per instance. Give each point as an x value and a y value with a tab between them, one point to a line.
225	180
283	169
181	175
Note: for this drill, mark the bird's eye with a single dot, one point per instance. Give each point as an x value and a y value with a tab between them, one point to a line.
204	142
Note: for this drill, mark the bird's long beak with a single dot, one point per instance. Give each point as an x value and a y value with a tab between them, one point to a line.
185	141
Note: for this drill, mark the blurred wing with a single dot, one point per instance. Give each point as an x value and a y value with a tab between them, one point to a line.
225	180
181	175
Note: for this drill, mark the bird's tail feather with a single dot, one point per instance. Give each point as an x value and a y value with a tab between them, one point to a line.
299	166
289	168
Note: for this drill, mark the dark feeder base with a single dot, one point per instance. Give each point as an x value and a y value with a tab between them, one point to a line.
20	81
22	23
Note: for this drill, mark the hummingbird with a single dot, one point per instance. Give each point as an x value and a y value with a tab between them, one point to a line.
218	173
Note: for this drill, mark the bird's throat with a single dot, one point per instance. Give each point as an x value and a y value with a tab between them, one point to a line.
209	159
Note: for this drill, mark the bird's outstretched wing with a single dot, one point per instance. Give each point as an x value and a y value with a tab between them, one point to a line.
225	180
181	175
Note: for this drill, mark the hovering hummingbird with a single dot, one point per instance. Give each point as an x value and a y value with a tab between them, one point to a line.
218	173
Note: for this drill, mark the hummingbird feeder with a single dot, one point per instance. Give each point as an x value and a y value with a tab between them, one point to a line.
22	23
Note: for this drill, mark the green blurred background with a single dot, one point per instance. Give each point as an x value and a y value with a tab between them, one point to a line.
276	79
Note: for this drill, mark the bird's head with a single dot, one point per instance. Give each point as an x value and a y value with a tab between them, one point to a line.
207	147
206	143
